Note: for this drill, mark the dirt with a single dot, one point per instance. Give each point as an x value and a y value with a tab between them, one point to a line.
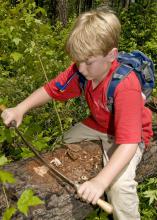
77	162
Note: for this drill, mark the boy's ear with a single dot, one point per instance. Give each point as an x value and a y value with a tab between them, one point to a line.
112	55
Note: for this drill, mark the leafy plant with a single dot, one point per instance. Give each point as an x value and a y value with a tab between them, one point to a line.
5	177
97	214
26	199
148	199
9	212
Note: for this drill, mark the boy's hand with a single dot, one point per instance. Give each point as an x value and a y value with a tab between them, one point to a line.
90	191
12	114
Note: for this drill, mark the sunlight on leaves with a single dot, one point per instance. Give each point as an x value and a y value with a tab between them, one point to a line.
6	177
27	199
152	195
9	213
16	56
3	160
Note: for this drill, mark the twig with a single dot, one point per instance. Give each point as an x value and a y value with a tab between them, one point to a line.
153	108
5	195
54	104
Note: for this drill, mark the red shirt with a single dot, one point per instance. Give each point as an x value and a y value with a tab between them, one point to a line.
131	119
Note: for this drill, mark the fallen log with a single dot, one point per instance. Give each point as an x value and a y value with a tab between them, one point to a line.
60	200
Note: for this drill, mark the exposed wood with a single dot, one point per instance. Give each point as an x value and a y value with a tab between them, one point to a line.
78	165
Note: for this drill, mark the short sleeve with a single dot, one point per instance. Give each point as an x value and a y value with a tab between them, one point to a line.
72	90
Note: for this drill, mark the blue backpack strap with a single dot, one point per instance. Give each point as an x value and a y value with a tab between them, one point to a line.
120	73
64	86
82	82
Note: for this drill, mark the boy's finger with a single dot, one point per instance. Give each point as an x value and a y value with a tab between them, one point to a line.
90	198
95	199
82	191
7	122
3	114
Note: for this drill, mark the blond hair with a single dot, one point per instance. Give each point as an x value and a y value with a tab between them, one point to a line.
94	33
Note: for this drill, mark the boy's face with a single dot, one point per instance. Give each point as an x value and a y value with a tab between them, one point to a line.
95	68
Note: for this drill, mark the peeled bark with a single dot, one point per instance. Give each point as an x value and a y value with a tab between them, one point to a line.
60	199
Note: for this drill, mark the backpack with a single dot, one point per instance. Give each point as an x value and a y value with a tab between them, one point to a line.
135	61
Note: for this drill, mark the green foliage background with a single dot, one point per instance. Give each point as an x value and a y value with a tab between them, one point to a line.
26	38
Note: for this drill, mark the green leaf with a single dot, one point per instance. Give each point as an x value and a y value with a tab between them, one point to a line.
9	212
151	194
3	160
6	177
2	136
16	41
16	56
8	136
27	199
26	153
5	73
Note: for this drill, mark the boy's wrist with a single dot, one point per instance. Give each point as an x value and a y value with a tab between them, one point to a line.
22	108
102	181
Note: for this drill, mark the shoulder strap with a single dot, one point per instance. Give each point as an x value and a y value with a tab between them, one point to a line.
64	86
120	73
82	82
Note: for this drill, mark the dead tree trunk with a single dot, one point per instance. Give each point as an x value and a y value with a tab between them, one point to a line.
60	201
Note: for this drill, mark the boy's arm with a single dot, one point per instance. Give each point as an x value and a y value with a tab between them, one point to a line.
37	98
92	190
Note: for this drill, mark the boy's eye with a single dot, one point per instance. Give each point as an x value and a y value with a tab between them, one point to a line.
89	62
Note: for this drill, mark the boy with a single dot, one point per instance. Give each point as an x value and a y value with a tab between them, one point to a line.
92	45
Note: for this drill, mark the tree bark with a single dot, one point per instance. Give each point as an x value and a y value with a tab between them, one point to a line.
60	200
52	11
62	9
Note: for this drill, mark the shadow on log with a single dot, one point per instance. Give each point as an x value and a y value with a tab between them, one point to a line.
79	163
